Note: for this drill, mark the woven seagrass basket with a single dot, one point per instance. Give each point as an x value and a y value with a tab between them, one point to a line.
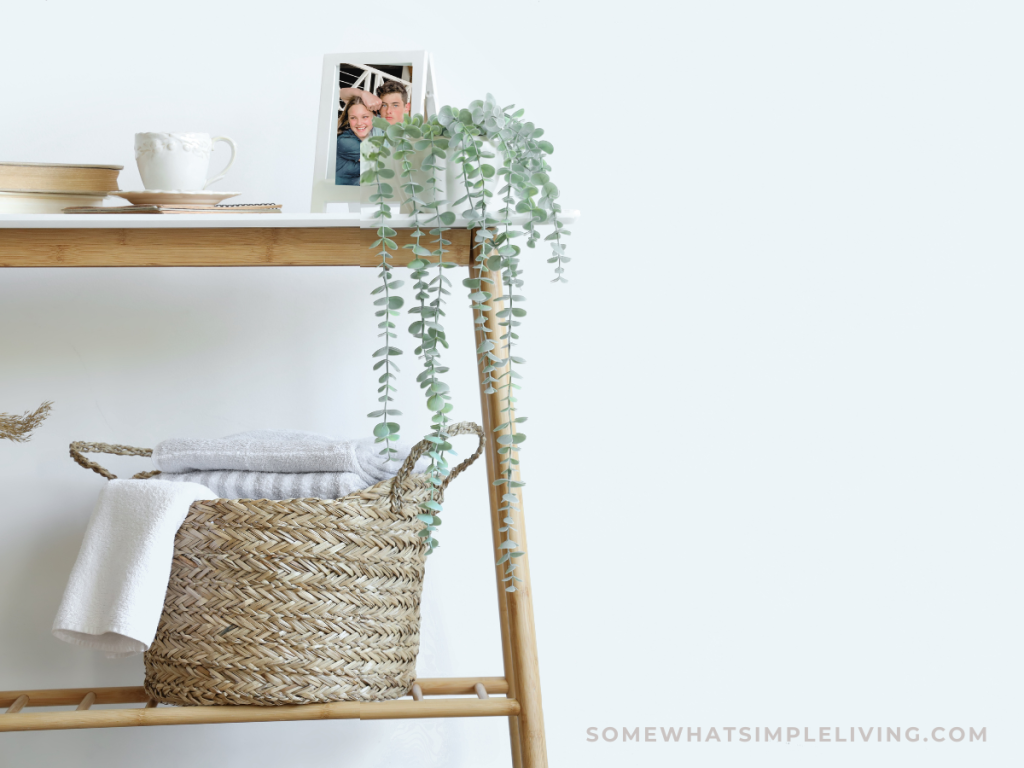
296	601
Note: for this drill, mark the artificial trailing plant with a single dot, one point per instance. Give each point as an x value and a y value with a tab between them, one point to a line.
480	143
390	302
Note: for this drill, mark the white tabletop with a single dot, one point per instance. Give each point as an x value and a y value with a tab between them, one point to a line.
214	220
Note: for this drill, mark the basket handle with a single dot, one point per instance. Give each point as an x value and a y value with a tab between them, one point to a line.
77	449
462	428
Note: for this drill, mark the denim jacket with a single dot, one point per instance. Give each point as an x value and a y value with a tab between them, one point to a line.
347	169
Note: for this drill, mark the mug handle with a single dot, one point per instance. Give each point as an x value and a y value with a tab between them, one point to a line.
223	173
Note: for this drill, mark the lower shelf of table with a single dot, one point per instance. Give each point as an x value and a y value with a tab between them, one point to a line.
429	699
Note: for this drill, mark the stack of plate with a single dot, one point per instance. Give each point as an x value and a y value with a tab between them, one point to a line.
52	187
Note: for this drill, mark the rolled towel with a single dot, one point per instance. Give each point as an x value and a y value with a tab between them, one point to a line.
276	451
115	594
230	484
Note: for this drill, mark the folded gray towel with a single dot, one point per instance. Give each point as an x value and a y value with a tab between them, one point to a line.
277	451
229	484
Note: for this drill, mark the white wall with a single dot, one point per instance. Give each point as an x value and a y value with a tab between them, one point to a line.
776	417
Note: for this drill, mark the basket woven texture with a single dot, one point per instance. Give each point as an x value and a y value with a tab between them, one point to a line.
296	601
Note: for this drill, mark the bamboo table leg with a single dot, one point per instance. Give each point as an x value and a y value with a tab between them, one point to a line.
516	608
494	497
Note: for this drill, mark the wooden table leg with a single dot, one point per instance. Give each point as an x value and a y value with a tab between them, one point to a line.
516	608
494	496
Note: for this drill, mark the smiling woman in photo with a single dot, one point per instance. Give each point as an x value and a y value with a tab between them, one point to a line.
354	125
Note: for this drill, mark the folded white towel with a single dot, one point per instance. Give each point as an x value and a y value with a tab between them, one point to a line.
274	485
115	595
276	451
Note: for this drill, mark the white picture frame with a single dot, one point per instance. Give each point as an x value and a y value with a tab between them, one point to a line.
423	100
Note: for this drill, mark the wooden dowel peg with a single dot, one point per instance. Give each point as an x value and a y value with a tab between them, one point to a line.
18	705
150	704
417	692
70	697
460	686
86	702
480	690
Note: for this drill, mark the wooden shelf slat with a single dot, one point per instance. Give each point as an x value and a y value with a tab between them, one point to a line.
63	697
400	709
207	247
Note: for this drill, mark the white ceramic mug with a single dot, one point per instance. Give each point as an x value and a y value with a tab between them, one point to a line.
178	161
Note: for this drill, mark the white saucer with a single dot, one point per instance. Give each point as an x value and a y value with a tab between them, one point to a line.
206	198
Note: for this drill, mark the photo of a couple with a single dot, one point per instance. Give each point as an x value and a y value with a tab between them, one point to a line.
367	92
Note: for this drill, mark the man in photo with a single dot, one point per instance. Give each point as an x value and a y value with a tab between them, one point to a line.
394	101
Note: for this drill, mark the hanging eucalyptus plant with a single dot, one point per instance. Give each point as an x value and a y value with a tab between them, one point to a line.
422	151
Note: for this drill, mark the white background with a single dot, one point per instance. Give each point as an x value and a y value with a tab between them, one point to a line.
775	417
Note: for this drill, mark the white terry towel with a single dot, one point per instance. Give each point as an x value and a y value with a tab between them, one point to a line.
274	485
276	451
115	595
